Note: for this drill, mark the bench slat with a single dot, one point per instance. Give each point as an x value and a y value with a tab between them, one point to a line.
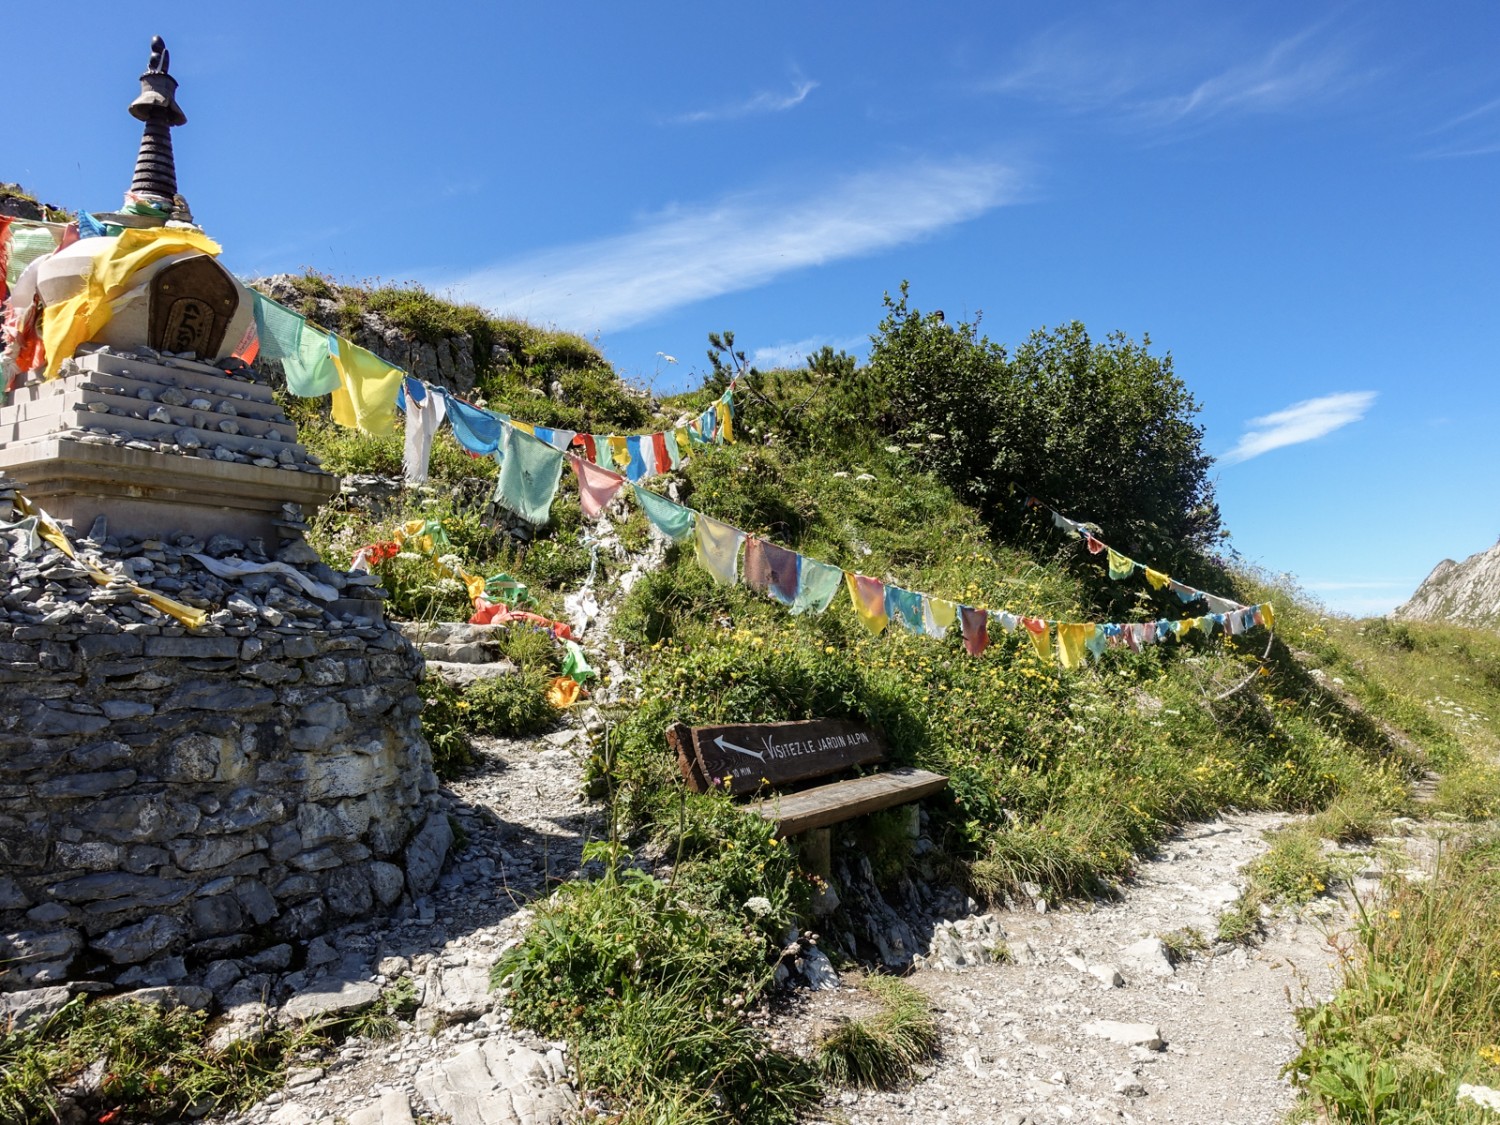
845	800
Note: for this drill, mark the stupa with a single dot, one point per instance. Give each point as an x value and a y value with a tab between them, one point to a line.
151	419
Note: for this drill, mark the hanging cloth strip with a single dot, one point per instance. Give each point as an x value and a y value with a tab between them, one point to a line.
868	597
904	607
938	616
366	397
975	626
596	486
529	473
671	519
817	585
772	570
81	318
718	549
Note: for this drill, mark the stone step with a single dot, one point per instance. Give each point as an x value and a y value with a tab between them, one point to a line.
184	418
127	387
462	675
183	373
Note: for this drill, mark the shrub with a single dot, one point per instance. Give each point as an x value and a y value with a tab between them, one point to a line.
1104	430
445	726
507	706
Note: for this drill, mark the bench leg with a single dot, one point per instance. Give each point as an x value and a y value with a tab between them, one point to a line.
817	853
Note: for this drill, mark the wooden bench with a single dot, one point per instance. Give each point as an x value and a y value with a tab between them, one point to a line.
750	758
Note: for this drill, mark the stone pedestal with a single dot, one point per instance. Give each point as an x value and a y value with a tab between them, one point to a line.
158	446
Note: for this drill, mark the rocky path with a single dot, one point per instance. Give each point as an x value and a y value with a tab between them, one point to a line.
522	828
1092	1022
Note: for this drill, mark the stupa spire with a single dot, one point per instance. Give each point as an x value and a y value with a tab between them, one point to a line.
155	178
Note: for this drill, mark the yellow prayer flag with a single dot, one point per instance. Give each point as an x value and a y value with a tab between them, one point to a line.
366	397
1156	578
1070	641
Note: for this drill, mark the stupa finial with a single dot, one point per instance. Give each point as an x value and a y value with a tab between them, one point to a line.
155	180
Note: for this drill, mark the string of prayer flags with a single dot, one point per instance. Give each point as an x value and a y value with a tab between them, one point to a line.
1123	566
807	585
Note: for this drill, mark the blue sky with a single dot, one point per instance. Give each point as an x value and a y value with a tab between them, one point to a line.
1299	202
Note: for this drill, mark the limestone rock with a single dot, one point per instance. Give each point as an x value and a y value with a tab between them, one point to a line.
426	852
496	1083
1127	1034
391	1109
1149	955
1465	592
330	996
34	1005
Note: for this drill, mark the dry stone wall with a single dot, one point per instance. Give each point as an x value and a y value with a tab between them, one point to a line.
172	796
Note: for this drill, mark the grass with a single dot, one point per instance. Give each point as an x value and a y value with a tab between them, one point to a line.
651	981
1418	1008
151	1063
881	1050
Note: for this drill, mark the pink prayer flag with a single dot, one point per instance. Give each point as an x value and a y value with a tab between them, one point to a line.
596	486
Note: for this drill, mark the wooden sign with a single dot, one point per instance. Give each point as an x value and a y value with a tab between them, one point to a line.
753	755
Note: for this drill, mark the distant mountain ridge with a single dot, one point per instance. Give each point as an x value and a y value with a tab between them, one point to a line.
1467	592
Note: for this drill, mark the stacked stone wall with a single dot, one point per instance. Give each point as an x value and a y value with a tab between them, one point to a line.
170	797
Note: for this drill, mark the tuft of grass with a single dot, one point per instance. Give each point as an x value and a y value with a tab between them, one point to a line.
1182	943
1353	818
1418	1009
398	1002
509	706
1296	869
445	728
881	1050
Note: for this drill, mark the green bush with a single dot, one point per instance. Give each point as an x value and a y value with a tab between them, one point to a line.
1104	431
510	706
651	984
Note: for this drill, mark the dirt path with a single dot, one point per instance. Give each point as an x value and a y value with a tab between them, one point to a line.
1026	1042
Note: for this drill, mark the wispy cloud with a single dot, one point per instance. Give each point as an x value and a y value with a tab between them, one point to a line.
795	354
1160	82
1292	73
767	101
1302	421
1476	133
692	253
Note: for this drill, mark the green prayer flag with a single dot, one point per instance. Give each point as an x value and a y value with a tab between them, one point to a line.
672	520
575	665
529	472
817	583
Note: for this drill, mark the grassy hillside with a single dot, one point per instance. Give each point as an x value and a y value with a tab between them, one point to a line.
1061	779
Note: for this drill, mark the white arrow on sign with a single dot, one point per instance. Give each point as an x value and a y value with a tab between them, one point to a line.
722	745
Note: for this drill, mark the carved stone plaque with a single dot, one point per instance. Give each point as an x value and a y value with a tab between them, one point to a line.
192	303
